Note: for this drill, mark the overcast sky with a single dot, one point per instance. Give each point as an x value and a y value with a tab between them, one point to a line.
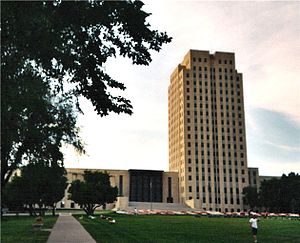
265	37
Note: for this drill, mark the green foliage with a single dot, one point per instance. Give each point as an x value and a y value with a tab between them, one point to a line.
52	53
93	192
76	38
38	184
35	123
18	229
281	195
12	195
251	196
156	228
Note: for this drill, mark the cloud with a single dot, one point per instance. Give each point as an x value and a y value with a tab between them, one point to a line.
266	46
275	127
273	141
277	168
284	147
265	39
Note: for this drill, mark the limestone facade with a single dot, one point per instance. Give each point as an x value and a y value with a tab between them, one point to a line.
254	180
121	179
207	137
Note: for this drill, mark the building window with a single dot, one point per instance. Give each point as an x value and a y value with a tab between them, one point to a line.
169	187
72	205
121	185
190	189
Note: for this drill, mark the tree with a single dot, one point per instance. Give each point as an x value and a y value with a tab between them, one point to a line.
35	123
281	195
290	193
55	189
76	39
269	194
38	185
95	191
250	196
12	196
64	44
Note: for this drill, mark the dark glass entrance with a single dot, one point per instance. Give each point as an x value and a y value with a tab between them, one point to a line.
145	186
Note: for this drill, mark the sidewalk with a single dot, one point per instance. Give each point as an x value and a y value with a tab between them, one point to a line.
68	230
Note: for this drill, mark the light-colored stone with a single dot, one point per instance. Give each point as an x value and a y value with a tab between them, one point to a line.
68	230
199	101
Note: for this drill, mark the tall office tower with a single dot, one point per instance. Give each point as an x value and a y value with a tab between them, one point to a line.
207	140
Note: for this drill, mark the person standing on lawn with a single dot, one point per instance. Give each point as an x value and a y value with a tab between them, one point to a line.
253	226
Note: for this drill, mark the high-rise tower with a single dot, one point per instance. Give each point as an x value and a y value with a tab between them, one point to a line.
207	140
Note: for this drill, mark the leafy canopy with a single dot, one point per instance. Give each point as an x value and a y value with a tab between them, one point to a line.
281	195
250	196
54	52
35	123
37	185
93	192
71	41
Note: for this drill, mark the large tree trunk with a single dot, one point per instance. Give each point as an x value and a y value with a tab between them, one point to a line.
89	209
32	210
53	209
8	170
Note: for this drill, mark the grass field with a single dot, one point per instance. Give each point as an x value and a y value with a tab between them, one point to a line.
19	229
156	228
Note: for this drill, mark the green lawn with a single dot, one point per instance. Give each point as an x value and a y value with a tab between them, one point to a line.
19	229
156	228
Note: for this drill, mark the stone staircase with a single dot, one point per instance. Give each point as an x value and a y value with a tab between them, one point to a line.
158	206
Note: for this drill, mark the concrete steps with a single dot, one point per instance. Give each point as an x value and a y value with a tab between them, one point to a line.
157	206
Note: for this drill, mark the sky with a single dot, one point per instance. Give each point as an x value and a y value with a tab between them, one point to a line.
265	37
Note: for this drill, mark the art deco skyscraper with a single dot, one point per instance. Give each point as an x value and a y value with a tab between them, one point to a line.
207	140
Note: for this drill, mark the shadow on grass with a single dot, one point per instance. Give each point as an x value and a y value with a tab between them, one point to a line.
19	229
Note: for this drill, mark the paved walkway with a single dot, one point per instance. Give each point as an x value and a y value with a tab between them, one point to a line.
68	230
